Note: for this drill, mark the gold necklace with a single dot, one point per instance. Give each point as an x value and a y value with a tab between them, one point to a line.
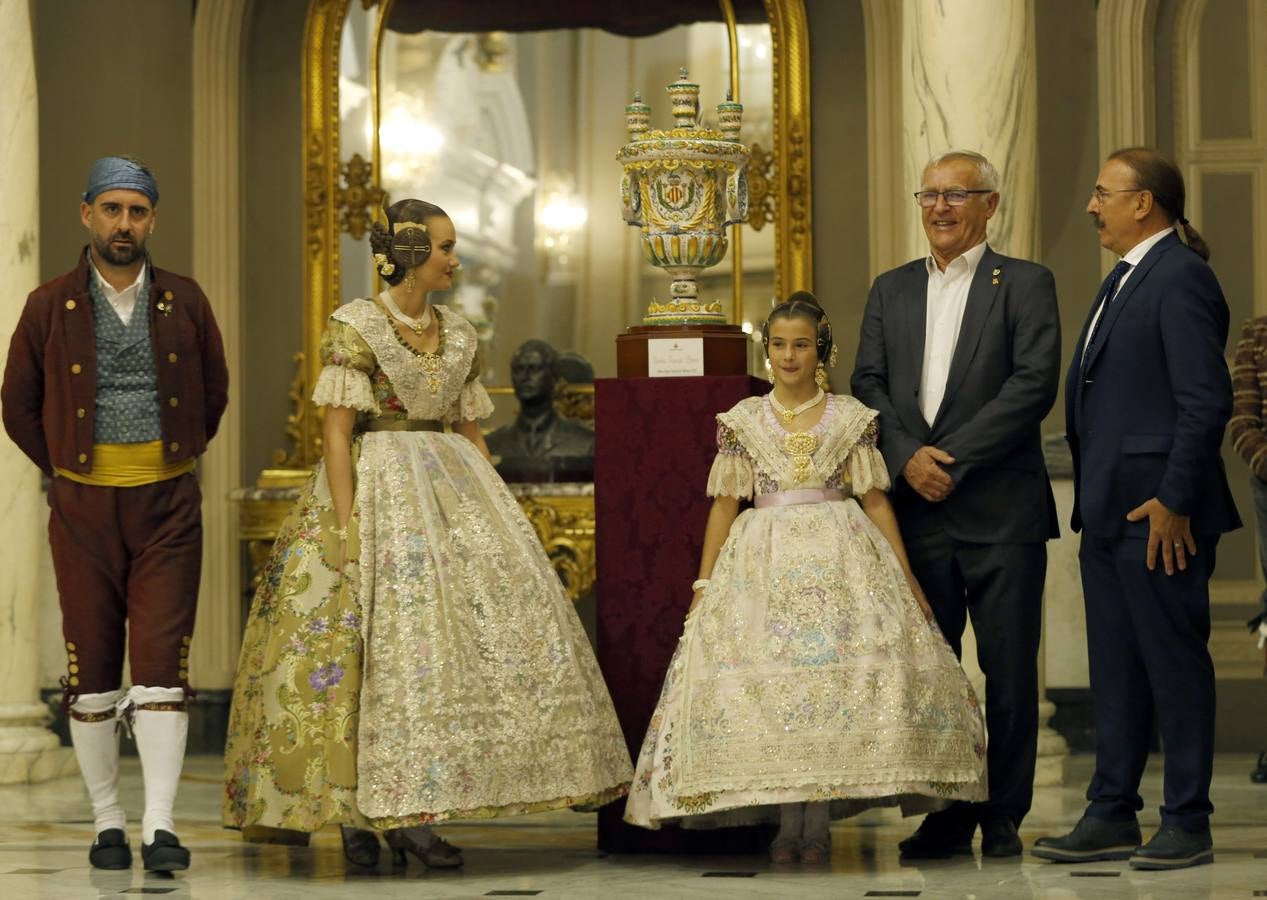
430	362
787	415
417	326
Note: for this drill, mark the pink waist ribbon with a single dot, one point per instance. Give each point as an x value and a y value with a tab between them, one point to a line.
796	498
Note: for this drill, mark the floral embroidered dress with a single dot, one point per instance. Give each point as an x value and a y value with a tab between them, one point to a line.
437	670
807	671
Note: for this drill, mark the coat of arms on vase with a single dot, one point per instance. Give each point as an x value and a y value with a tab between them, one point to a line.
682	187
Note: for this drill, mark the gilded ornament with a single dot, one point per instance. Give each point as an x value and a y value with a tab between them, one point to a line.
800	447
359	196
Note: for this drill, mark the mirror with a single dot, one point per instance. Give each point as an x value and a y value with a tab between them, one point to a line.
511	122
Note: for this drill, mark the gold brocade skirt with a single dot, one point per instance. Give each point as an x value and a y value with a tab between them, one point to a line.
439	671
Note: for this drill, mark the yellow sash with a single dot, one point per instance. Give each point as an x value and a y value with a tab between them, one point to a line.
128	465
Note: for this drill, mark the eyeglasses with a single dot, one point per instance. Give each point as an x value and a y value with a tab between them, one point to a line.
928	199
1100	194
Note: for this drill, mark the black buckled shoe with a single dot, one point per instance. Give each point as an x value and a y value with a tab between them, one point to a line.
1091	839
999	838
1173	848
165	854
940	836
110	850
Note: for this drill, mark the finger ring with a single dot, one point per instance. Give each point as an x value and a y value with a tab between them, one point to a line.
1178	545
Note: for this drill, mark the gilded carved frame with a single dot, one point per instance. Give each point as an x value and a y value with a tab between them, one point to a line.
323	167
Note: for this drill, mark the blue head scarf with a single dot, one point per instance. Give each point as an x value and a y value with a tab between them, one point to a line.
112	173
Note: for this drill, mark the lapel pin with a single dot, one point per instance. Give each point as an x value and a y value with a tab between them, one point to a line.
164	308
996	273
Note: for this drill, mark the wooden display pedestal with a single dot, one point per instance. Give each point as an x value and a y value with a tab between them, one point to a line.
725	348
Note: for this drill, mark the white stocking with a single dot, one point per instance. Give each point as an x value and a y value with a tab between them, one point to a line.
160	741
97	751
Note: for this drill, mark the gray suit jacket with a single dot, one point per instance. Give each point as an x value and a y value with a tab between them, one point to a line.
1003	381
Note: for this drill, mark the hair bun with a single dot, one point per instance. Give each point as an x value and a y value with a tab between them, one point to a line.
803	297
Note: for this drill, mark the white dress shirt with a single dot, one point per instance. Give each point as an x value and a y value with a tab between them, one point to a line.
124	301
947	299
1133	258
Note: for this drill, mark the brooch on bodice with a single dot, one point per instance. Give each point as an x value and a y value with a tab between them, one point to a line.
431	368
800	446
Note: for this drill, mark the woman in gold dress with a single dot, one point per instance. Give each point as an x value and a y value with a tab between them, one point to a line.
809	679
411	656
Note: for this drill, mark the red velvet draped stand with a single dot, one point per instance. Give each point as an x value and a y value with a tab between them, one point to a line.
656	438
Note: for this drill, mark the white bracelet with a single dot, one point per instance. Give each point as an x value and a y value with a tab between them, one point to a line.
699	583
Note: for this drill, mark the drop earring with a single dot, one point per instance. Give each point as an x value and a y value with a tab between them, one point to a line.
410	281
769	372
820	376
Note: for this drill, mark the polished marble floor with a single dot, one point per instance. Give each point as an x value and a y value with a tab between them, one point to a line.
46	832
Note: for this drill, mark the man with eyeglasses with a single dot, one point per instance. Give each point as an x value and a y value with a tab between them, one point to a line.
1147	398
960	353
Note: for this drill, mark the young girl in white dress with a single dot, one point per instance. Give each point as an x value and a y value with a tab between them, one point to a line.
810	676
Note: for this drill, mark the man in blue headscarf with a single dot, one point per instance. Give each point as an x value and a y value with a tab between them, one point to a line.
115	382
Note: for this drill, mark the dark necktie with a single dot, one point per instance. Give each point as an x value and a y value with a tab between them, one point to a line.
1105	297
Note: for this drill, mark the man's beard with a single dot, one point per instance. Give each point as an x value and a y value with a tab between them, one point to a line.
120	256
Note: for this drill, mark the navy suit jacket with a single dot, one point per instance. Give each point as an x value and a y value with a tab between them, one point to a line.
1003	380
1146	417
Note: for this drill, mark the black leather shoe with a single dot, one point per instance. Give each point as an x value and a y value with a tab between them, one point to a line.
940	836
1259	775
999	838
1173	848
165	854
1091	839
110	850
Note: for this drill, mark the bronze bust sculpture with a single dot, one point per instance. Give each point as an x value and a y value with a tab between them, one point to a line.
540	445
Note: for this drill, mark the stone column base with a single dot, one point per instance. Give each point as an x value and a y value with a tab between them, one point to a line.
1053	752
29	752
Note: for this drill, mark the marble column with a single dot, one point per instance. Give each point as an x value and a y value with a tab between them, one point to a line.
969	81
219	29
28	750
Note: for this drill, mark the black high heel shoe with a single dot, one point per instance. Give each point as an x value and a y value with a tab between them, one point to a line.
360	847
437	854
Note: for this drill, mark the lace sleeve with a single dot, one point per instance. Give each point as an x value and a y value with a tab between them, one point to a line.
347	363
732	473
864	465
473	403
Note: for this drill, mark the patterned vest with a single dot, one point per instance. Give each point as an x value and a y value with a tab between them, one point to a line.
127	380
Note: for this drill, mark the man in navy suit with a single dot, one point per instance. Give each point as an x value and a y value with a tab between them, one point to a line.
1147	397
960	353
